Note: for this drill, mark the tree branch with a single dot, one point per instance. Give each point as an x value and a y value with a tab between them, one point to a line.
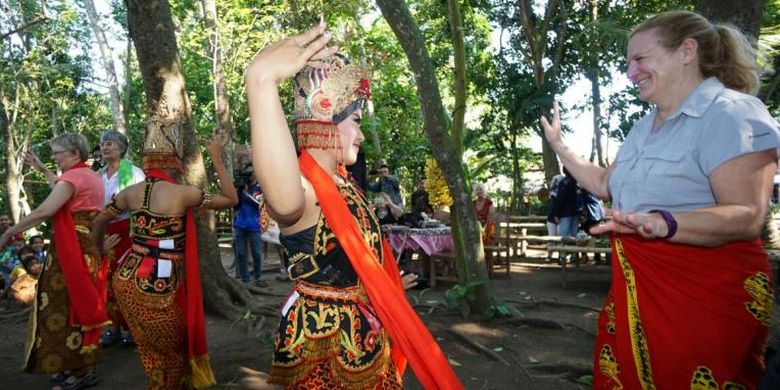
38	19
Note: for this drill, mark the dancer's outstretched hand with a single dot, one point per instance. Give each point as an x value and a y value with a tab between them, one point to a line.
552	130
408	280
216	144
32	160
647	225
285	57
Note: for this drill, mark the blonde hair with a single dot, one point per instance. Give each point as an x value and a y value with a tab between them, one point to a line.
72	142
724	52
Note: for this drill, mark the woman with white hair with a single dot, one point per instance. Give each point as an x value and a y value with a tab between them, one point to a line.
117	174
485	213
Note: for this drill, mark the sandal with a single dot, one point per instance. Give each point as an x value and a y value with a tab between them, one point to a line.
73	382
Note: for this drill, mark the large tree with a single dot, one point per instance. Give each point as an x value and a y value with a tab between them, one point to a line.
151	28
446	140
745	14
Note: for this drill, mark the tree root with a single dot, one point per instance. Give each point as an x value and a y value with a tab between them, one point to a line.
514	356
562	368
532	302
479	347
537	323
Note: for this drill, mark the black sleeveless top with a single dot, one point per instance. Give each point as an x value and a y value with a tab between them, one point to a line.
315	255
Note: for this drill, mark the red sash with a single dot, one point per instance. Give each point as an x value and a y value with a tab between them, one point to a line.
677	315
190	298
86	295
411	339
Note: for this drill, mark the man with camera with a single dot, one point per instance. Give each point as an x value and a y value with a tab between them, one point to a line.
386	183
246	225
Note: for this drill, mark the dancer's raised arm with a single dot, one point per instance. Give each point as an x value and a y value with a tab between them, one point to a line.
273	149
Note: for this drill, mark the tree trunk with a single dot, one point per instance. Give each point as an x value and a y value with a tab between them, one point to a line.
597	153
13	177
466	232
108	66
535	31
151	28
221	99
745	14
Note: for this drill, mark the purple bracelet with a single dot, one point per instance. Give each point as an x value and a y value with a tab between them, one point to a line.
671	223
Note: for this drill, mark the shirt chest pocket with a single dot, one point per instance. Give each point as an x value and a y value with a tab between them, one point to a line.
666	168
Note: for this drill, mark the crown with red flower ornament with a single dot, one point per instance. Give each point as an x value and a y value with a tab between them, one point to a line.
331	93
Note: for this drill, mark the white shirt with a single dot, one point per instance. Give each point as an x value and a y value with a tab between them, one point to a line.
111	185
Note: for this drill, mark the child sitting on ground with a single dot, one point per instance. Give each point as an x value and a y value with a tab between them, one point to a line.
25	276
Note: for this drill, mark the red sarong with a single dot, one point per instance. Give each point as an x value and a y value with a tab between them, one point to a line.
410	338
190	299
121	228
679	316
86	295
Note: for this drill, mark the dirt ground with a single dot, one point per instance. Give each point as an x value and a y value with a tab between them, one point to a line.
547	346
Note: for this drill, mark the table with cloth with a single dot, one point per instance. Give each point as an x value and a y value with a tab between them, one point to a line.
421	241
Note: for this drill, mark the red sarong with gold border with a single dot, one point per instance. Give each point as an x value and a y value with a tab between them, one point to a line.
681	316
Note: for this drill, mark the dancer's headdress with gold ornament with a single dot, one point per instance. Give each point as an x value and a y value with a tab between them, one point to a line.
163	145
326	96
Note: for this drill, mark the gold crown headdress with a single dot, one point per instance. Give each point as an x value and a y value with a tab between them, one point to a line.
327	96
163	145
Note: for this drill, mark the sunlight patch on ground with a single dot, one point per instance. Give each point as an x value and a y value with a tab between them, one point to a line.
479	330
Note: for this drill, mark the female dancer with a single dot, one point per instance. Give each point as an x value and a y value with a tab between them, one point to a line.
348	297
157	283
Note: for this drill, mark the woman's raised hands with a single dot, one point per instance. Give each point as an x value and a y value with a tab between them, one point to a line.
285	57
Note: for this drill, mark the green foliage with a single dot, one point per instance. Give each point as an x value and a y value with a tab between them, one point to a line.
461	297
46	80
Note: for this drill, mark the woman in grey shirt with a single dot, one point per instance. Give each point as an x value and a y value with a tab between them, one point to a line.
691	299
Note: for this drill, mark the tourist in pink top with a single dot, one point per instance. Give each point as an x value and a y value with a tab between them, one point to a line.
69	308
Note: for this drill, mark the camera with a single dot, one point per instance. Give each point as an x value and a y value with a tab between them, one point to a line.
243	177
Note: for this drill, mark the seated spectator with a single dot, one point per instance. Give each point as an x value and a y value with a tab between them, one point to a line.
485	213
421	202
36	242
10	259
24	278
386	211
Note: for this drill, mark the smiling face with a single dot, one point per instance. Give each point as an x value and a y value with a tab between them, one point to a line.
351	137
111	150
653	68
37	244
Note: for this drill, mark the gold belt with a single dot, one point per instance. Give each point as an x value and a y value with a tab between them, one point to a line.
351	294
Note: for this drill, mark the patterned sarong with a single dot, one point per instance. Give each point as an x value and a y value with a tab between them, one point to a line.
681	316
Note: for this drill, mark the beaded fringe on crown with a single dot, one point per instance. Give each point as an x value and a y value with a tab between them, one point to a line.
318	135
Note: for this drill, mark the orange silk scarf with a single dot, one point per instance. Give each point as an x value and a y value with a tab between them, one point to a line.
411	339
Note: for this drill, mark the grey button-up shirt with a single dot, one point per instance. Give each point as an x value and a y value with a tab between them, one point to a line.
668	168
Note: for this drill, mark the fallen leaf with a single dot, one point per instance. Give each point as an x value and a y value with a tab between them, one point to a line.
453	362
498	349
586	380
582	295
532	360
